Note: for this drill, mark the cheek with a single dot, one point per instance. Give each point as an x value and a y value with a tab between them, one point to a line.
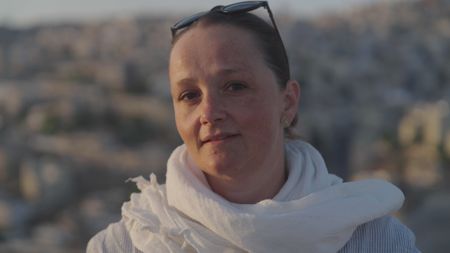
180	123
186	126
261	119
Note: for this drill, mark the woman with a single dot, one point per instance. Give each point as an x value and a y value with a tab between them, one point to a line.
238	184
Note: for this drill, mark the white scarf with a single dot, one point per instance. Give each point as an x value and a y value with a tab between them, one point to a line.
313	212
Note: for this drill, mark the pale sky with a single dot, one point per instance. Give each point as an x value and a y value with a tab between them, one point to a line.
31	11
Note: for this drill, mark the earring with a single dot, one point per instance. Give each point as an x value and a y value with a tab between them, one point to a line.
285	122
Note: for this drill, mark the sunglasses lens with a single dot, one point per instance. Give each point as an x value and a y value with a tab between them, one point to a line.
242	6
188	21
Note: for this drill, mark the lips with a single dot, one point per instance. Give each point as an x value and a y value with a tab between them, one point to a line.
217	137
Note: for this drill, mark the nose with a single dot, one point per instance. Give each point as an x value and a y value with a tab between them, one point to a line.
212	109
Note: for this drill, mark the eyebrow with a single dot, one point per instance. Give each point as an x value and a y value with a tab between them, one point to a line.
185	81
222	72
228	71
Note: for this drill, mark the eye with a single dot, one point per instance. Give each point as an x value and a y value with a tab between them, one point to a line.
235	86
188	96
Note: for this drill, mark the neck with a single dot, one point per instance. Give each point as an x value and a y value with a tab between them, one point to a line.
250	188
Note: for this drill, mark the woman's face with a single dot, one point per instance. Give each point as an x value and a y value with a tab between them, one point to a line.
228	106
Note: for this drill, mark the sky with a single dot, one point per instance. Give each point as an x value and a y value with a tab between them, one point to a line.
26	12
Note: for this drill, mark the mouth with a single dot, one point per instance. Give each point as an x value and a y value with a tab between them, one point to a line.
218	138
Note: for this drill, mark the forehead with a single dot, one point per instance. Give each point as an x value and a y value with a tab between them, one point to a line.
214	48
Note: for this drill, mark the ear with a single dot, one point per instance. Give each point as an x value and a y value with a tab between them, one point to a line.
291	99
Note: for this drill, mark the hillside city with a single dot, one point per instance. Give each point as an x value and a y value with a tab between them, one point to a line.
85	106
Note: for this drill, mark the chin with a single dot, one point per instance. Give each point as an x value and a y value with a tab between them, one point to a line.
221	168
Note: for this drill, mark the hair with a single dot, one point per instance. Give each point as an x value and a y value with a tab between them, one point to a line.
266	37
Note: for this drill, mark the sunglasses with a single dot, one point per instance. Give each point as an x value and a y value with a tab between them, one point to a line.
230	9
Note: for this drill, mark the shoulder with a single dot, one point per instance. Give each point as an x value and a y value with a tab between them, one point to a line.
385	234
114	239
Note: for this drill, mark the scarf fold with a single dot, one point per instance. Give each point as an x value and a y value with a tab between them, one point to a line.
313	212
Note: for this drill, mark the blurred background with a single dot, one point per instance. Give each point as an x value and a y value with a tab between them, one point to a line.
84	105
